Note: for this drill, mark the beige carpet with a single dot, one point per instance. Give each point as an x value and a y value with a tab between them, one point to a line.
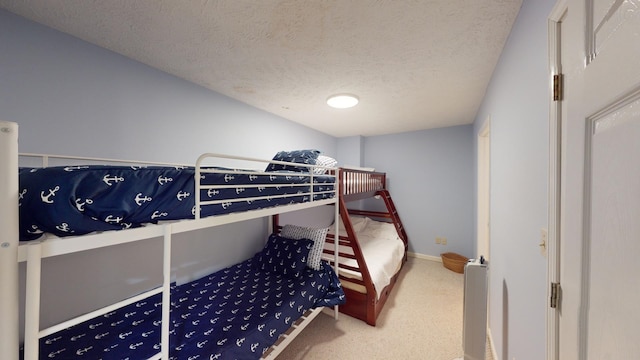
421	320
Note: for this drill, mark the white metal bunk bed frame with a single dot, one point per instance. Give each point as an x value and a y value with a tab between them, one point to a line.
12	252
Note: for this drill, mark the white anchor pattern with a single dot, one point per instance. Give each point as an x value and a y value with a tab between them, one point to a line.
99	198
235	313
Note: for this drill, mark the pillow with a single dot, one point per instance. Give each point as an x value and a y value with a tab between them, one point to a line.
308	157
318	237
324	160
283	256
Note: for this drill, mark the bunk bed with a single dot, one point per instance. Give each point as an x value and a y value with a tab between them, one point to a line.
374	246
278	288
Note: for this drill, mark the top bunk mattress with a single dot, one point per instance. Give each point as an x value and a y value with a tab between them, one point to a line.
76	200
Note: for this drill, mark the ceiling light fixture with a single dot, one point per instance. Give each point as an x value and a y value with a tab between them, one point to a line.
342	101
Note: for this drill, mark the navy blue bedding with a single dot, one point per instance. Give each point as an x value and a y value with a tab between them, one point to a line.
76	200
235	313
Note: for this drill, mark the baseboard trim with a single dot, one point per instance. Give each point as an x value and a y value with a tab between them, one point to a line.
425	257
492	347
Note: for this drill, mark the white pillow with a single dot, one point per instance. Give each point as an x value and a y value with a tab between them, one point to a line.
358	224
318	236
323	160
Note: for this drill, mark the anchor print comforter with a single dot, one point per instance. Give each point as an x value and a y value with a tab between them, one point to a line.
235	313
76	200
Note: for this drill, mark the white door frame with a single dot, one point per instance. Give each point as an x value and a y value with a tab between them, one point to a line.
483	211
483	190
555	127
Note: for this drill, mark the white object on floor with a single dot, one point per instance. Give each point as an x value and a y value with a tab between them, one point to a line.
474	330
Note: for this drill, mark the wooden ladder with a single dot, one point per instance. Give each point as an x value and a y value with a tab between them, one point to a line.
393	213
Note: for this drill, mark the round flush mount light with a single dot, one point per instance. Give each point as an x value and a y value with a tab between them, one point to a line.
342	101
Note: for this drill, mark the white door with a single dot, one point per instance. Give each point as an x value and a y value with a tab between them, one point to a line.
600	182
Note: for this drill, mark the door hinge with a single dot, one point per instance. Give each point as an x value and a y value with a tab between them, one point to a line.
558	85
555	295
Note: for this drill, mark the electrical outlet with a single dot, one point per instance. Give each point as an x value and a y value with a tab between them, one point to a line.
438	240
444	241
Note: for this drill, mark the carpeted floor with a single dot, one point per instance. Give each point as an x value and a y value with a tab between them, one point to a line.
421	320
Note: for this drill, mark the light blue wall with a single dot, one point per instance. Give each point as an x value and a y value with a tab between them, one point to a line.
517	102
351	151
73	98
430	176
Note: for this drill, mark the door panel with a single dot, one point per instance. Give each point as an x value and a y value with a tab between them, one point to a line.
609	17
600	181
613	191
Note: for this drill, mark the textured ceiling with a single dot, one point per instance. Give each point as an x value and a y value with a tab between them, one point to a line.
414	65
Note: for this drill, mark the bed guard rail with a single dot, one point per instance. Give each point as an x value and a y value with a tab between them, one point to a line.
358	184
306	187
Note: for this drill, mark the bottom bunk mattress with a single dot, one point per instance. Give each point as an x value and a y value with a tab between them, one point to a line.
235	313
382	249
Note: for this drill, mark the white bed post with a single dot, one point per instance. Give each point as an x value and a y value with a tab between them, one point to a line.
32	301
9	326
166	293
